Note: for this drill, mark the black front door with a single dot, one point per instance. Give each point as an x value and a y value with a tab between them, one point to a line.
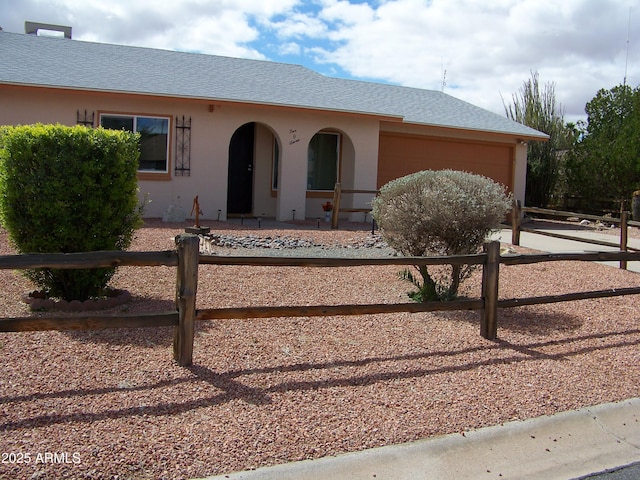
240	179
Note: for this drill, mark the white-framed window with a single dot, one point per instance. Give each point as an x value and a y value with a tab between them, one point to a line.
323	161
154	138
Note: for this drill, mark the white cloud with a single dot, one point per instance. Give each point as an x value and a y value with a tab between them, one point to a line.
223	27
298	25
290	48
488	49
347	13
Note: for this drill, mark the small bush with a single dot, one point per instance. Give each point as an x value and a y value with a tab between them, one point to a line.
68	189
442	212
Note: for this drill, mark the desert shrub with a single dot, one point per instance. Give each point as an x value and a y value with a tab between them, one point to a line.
442	212
68	189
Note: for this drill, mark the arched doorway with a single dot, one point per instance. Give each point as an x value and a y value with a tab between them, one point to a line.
241	166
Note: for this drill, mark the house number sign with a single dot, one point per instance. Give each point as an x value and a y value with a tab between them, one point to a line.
294	137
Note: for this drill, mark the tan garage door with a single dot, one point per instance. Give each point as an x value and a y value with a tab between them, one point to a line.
401	154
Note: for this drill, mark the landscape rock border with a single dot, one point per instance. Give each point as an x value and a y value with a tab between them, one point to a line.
38	301
284	242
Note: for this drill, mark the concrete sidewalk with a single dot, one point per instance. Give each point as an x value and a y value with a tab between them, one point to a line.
559	447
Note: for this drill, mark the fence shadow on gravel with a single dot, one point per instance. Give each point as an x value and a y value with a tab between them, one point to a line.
232	387
158	337
532	350
187	258
232	383
528	320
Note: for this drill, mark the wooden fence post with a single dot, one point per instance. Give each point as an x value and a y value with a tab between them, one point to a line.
490	277
516	222
188	246
337	192
624	235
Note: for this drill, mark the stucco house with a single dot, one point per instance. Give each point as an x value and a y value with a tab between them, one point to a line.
253	137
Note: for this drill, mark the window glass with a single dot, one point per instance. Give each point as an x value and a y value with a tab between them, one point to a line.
117	123
154	138
275	163
153	143
322	161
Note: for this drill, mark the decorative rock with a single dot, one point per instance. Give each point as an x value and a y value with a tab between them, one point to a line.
280	243
47	304
75	306
603	226
174	213
38	301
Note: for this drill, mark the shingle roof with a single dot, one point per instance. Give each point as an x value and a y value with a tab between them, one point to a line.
73	64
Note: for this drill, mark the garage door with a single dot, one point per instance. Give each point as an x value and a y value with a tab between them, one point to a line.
401	154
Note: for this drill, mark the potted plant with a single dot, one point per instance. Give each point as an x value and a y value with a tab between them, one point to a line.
327	207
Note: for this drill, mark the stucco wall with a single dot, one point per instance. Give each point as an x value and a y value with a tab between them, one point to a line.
403	148
213	125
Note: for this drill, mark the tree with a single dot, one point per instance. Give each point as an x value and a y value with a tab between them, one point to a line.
537	108
442	212
68	189
605	161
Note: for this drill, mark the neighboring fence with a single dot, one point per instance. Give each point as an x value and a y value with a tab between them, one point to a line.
592	205
338	191
623	222
187	259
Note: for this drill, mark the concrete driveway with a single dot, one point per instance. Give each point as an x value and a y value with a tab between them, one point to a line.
557	245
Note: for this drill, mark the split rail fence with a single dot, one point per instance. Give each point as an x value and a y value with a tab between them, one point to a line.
187	258
623	222
338	192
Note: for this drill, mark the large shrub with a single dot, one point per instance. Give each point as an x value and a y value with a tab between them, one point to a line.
68	189
442	212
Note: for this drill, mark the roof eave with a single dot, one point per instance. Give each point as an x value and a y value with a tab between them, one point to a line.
217	100
520	136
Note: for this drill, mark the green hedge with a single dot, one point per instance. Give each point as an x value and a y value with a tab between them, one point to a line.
69	189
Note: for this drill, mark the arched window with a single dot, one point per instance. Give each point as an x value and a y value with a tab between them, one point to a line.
323	161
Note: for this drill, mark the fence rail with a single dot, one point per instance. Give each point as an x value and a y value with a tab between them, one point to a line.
99	259
93	322
624	223
338	191
186	258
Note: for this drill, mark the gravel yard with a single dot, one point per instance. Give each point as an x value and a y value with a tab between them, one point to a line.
113	404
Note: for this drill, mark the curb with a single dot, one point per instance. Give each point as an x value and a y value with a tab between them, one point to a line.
558	447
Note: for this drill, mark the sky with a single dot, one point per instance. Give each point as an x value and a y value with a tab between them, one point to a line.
480	51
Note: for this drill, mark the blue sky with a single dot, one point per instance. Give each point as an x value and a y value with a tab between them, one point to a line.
480	51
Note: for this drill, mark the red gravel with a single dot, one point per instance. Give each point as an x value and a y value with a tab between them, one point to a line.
112	403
